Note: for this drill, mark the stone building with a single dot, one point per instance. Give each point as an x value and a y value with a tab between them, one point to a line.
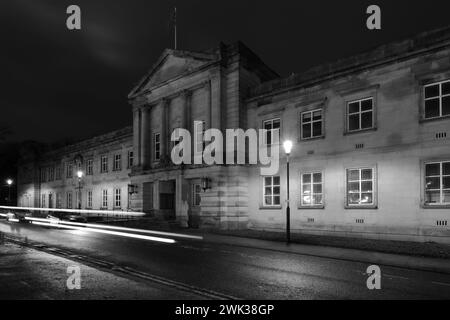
371	154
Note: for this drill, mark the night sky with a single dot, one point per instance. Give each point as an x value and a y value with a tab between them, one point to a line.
58	84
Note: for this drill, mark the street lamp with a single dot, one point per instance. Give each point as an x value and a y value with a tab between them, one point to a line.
9	182
79	175
287	149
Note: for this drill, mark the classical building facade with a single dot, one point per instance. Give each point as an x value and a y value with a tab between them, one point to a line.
371	154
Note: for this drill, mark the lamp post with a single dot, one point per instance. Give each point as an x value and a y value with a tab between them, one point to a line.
287	149
9	182
79	175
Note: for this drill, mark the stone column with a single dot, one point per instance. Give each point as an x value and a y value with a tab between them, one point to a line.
145	137
165	137
137	136
187	122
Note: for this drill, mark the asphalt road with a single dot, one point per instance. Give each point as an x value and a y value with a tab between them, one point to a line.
241	272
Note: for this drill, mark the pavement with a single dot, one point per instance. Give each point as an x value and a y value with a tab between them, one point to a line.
234	267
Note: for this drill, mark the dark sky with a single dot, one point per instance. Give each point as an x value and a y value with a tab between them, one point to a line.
57	83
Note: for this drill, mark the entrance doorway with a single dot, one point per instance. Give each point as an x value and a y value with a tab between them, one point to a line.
167	199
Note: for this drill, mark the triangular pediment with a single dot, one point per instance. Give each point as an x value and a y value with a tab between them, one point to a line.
170	65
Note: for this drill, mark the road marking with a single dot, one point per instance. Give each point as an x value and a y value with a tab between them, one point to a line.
441	283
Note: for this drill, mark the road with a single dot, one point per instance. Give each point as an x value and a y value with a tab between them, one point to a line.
246	273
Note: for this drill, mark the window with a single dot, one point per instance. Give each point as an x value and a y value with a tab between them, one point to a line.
58	200
196	190
157	146
437	100
69	170
272	191
42	200
69	200
104	198
130	159
360	187
270	126
51	173
43	175
117	197
104	164
312	189
200	131
360	115
89	199
58	172
117	162
89	167
311	124
437	183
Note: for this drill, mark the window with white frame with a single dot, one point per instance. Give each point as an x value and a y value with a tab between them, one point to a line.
311	124
104	198
196	194
69	170
89	167
270	126
271	192
311	189
360	187
117	162
69	200
130	159
89	199
437	100
360	115
103	164
117	198
437	183
157	146
43	205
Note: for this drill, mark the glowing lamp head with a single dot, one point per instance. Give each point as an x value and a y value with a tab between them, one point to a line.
9	182
287	146
80	174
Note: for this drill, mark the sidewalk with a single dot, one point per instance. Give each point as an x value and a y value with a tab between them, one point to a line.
432	257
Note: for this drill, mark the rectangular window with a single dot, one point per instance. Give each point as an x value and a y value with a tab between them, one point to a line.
58	200
58	172
43	205
69	200
117	162
200	144
105	198
117	198
69	170
51	173
312	189
437	183
196	197
271	191
157	146
360	187
104	164
360	115
437	99
89	199
311	124
43	175
130	159
89	167
270	126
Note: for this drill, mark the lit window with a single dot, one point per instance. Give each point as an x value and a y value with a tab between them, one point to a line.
437	183
89	199
117	162
360	187
312	189
157	146
270	126
196	194
104	198
117	197
271	191
437	100
130	159
360	115
104	164
311	124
